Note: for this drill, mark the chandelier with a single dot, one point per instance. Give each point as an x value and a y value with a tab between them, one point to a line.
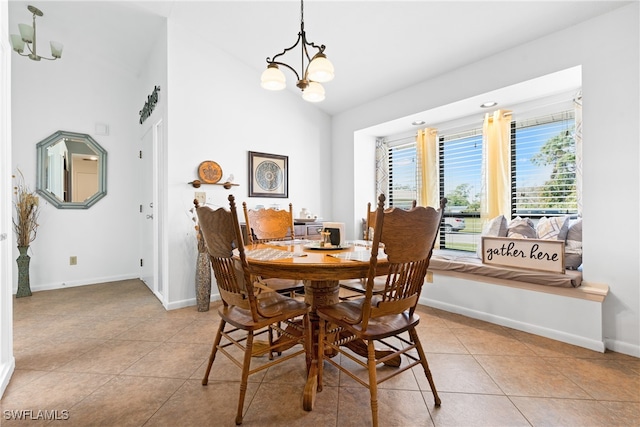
28	36
318	69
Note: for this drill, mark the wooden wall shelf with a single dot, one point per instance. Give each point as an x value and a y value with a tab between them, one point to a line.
197	183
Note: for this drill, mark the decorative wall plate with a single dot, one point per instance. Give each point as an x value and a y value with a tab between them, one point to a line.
209	172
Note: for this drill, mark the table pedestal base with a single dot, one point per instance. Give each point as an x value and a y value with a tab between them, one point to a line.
321	293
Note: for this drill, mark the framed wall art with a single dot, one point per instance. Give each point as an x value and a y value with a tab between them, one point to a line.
268	175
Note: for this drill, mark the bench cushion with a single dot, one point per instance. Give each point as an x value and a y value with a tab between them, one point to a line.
467	262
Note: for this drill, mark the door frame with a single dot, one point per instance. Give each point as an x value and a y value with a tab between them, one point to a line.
158	272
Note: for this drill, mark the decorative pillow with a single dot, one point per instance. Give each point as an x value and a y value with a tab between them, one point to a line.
521	228
573	246
497	227
554	228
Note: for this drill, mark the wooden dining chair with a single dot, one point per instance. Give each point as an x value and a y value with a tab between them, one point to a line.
408	238
244	310
370	220
355	288
268	225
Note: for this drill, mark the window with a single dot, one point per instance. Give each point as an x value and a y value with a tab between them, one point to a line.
403	173
543	179
460	157
543	166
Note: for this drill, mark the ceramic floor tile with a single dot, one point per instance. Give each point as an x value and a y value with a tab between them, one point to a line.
110	354
22	377
529	376
123	401
474	410
491	341
197	332
223	369
603	379
569	412
395	408
112	357
170	360
403	381
623	413
281	405
547	347
196	405
54	391
292	371
50	354
155	329
456	373
456	321
440	341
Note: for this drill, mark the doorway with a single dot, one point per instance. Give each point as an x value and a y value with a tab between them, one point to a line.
150	214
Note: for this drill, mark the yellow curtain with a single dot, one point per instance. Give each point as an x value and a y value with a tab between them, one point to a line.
427	153
496	171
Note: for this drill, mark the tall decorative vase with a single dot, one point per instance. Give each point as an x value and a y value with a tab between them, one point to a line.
203	281
24	288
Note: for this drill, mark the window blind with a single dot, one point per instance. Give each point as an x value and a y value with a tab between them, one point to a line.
403	173
543	166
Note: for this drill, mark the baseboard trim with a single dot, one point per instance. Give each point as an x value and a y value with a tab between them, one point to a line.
623	347
6	371
75	283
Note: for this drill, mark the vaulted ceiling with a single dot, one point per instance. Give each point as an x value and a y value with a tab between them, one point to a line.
377	47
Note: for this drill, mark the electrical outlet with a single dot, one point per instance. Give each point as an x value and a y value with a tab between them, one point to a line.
73	260
429	277
201	197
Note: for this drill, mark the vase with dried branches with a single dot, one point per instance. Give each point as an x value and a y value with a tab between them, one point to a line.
25	225
203	269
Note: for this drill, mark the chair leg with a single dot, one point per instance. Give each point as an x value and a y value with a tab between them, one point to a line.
308	340
245	376
214	350
425	365
373	381
270	334
320	356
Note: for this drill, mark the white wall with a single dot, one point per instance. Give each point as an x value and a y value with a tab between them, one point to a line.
155	74
218	111
73	94
608	50
7	360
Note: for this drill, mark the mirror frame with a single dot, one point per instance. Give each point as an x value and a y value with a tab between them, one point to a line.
41	175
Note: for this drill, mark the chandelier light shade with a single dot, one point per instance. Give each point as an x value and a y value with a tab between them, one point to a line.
273	78
27	37
314	69
314	92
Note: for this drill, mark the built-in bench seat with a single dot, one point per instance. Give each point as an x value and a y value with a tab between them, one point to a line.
554	305
468	262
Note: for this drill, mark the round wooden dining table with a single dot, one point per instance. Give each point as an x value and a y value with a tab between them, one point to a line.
320	269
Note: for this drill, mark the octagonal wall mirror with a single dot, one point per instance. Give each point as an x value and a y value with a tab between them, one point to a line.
71	170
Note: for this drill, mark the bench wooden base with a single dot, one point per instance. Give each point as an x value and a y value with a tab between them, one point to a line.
571	315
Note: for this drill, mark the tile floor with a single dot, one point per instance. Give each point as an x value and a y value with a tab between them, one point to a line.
110	355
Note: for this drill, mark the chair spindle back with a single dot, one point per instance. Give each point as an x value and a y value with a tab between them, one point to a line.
264	225
408	238
221	232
